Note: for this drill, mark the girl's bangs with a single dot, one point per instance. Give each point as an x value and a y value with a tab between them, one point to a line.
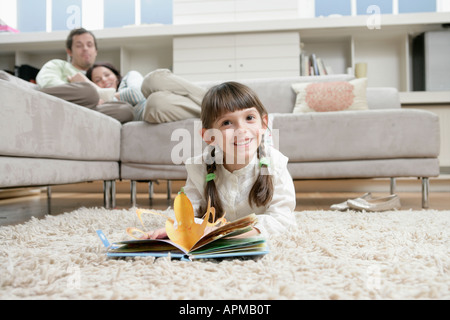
230	97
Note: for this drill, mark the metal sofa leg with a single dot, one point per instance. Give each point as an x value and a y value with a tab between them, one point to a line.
150	191
49	200
107	194
113	194
133	193
393	185
169	189
425	191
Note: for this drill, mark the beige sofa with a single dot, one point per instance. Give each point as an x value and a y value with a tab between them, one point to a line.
47	141
383	142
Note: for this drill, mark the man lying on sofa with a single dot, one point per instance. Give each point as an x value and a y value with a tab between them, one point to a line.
67	80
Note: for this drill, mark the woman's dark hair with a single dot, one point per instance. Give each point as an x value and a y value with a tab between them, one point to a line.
106	65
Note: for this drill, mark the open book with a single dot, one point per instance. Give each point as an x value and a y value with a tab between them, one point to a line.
187	239
220	243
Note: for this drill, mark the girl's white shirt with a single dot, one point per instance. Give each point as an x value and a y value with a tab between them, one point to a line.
234	189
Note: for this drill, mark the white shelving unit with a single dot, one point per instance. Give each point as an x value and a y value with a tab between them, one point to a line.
339	41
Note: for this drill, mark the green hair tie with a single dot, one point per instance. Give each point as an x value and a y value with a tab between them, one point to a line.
210	177
264	162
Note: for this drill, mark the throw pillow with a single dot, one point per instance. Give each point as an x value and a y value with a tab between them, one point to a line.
331	96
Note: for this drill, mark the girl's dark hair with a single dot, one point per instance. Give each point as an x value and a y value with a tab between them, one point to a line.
221	99
106	65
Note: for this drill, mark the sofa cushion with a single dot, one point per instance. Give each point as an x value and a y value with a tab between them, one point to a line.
381	134
161	144
330	96
34	124
21	172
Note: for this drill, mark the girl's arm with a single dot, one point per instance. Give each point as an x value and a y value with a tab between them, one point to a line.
195	196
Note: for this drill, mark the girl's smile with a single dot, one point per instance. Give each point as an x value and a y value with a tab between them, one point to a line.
243	143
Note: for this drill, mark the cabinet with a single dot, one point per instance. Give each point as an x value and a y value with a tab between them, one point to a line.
237	56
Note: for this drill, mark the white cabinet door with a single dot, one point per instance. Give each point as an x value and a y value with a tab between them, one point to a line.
238	56
205	57
267	55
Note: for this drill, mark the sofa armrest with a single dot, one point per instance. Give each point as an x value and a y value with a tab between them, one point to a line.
34	124
20	82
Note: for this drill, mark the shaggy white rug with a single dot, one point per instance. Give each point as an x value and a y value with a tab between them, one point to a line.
329	255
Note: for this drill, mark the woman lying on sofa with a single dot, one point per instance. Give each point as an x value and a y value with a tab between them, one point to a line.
127	88
159	97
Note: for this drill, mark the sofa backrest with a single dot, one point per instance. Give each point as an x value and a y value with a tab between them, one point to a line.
278	96
276	93
383	98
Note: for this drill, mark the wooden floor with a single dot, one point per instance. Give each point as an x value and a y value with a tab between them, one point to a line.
21	209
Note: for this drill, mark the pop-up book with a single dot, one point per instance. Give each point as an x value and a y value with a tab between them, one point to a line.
188	240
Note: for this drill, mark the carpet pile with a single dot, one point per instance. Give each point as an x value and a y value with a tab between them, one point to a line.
328	255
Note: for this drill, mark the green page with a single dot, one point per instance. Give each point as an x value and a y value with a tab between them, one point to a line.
231	245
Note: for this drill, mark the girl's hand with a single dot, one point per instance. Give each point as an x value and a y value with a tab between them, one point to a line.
156	234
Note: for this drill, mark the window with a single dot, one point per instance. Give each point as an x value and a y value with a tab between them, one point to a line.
327	7
156	11
66	14
408	6
119	13
32	15
385	6
53	15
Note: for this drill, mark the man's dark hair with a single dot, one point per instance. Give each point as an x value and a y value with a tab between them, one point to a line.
77	32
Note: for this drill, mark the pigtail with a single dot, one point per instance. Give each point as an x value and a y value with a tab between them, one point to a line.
261	193
211	188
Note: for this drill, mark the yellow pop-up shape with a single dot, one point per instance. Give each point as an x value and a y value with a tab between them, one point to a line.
186	233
